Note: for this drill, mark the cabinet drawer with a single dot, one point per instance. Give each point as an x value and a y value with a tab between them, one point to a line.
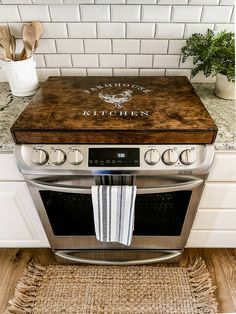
218	195
224	167
215	219
8	168
209	238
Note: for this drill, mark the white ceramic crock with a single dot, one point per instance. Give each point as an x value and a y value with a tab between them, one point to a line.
22	76
223	88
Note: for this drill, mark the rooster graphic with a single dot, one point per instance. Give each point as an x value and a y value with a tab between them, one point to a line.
117	99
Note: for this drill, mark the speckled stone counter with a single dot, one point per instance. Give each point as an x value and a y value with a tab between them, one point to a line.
222	111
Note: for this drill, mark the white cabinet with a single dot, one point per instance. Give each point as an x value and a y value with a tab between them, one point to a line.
20	225
215	222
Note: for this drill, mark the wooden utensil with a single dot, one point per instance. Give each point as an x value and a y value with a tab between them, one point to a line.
5	40
29	38
38	30
13	47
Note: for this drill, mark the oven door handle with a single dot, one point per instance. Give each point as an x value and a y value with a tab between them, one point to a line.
185	185
168	255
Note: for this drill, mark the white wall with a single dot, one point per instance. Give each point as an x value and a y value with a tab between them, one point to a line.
115	37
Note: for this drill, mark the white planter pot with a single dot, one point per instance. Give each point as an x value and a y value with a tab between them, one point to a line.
22	76
224	89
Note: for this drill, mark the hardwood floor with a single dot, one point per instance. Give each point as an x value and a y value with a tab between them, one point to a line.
220	262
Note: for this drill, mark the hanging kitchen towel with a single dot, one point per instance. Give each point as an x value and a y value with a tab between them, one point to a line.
113	211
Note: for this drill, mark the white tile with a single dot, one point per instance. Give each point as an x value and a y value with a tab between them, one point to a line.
43	74
175	46
172	1
47	1
95	13
70	45
206	2
46	46
97	45
140	30
188	64
99	72
15	29
109	1
125	13
19	45
156	13
85	61
178	72
197	28
141	1
57	60
186	13
217	14
125	45
73	72
167	61
152	72
111	30
40	63
34	12
227	27
9	13
112	61
3	77
54	30
154	46
139	61
16	2
60	13
169	30
79	1
125	72
201	78
227	2
82	30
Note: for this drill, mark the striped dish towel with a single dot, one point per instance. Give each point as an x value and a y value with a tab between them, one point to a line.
113	211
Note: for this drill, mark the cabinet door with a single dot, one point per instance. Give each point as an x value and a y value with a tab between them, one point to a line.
20	225
224	167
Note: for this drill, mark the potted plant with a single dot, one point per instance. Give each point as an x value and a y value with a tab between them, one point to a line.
214	54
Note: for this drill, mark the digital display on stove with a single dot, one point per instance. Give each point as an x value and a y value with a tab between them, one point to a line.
114	157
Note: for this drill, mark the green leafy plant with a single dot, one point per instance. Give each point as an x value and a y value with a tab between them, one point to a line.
212	53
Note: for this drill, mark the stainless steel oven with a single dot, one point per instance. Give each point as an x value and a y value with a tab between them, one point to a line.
169	180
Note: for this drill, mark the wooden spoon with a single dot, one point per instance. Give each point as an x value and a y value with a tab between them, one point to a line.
38	32
5	40
29	38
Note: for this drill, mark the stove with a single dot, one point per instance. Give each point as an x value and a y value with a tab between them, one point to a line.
152	132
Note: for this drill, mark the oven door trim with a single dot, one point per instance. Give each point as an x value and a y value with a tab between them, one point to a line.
138	242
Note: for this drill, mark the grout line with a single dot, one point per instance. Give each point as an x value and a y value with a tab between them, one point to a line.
201	16
18	10
49	12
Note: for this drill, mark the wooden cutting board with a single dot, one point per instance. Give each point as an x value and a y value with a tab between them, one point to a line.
138	110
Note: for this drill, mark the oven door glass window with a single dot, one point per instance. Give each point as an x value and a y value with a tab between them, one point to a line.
161	214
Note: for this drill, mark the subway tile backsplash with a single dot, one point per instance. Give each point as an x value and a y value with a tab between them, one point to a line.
115	37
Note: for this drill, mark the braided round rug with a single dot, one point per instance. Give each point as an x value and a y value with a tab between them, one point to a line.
57	289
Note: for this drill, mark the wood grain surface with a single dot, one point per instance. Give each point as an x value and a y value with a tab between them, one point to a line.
115	110
221	264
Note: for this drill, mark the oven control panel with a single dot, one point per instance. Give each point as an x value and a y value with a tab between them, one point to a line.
178	158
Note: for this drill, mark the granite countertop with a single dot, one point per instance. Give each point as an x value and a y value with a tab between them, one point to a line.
222	111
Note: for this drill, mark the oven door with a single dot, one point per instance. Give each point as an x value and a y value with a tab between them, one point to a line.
165	208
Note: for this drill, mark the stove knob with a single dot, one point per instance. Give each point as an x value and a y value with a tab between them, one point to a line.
188	157
152	157
75	157
57	157
39	157
170	157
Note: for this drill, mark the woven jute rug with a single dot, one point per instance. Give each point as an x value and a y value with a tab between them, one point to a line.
66	289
